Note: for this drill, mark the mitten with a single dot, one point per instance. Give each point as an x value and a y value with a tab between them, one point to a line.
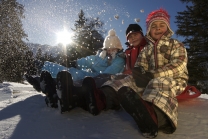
141	77
149	75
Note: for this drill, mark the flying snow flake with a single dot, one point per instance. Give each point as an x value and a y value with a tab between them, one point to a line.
127	14
142	10
122	21
110	19
116	17
137	20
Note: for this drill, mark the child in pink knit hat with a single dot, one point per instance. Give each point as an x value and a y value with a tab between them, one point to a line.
161	73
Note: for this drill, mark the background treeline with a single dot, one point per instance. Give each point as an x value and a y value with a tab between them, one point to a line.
18	57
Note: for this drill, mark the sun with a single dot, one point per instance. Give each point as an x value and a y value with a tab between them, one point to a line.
64	37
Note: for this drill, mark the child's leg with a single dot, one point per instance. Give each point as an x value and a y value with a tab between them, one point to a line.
95	98
64	91
111	97
70	96
34	81
142	111
164	123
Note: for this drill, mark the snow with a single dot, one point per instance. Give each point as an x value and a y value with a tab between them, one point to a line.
24	115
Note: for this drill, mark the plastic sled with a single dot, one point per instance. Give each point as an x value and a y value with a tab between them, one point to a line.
189	92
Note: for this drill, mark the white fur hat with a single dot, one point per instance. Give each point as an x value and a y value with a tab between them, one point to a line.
112	41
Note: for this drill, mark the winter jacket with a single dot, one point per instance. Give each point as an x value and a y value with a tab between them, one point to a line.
131	56
132	53
167	60
89	66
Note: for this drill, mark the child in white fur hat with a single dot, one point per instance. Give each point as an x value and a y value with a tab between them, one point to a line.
108	61
111	46
105	63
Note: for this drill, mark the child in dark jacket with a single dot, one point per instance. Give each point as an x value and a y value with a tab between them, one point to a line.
105	97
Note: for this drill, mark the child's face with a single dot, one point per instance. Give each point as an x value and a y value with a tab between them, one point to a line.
112	50
135	38
157	29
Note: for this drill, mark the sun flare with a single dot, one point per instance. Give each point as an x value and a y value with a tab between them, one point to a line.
64	37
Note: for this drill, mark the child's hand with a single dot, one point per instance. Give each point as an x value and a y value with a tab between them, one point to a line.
141	77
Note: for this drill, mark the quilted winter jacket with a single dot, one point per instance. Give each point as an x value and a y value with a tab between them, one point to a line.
89	66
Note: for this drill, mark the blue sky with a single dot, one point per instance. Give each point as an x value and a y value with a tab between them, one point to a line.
44	18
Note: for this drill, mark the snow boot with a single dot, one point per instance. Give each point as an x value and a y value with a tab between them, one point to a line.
34	81
112	101
69	95
48	87
95	98
142	111
164	123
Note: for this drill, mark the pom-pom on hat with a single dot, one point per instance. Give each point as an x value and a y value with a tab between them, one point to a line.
112	41
132	28
158	15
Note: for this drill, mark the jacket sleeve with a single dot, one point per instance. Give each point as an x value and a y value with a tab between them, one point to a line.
86	62
177	64
117	66
143	59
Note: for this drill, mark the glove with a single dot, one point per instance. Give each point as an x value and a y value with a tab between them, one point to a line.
141	77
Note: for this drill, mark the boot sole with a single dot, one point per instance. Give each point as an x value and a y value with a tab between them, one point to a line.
138	111
66	81
89	84
50	89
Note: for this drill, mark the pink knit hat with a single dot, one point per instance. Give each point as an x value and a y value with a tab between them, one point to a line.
158	15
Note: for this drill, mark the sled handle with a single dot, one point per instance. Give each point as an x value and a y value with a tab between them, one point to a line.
185	94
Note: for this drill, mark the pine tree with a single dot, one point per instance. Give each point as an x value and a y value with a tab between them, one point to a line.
13	48
39	60
30	60
87	37
193	25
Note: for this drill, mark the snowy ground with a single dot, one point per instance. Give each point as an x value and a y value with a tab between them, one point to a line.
24	115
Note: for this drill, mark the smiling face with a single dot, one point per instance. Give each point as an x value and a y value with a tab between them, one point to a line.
135	38
157	29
